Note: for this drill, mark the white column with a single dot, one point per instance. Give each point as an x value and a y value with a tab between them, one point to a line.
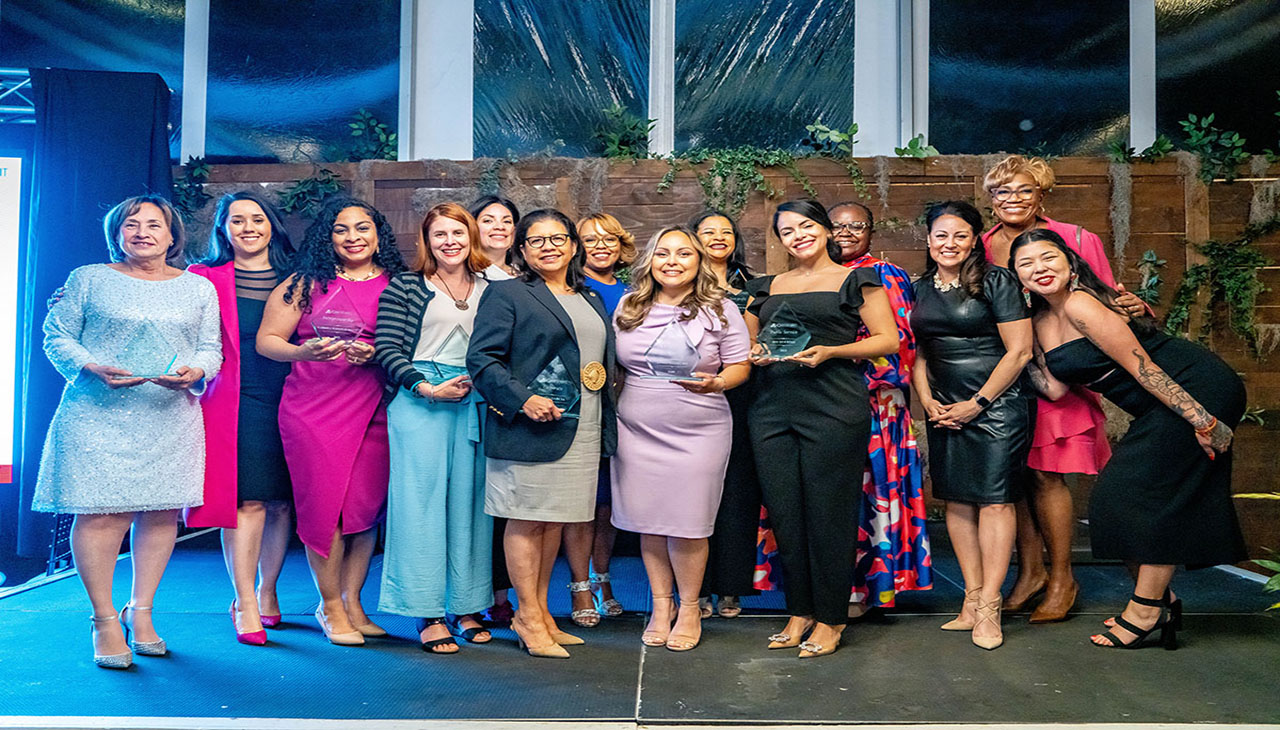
437	52
662	75
195	78
877	77
919	49
1142	73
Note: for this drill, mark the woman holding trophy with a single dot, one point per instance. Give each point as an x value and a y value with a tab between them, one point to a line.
332	419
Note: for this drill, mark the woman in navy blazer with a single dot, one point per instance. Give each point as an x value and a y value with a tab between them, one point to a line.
542	460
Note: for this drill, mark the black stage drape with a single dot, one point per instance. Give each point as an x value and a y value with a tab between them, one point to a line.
101	136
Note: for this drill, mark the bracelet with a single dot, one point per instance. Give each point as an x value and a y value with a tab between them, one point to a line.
1207	429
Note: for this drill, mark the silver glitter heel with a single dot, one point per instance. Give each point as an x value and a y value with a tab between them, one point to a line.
108	661
141	648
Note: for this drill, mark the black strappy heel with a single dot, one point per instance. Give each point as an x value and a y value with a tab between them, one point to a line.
1168	634
470	634
431	646
1175	611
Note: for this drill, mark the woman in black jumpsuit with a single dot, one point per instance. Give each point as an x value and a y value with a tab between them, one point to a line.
810	419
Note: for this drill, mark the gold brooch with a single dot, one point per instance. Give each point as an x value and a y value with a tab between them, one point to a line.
593	376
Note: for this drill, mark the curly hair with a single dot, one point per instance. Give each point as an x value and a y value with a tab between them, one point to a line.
974	268
1034	167
316	263
706	294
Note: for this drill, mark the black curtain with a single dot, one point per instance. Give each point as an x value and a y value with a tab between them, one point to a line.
101	136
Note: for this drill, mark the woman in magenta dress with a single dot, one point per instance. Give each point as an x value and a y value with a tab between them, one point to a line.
674	435
1070	433
333	421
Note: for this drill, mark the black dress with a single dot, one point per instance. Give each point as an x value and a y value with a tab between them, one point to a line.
1160	500
984	462
260	466
809	429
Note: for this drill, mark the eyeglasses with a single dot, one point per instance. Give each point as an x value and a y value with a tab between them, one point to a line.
607	241
1003	194
540	242
851	227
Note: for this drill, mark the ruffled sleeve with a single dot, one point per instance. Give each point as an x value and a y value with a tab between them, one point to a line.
759	290
1004	293
851	289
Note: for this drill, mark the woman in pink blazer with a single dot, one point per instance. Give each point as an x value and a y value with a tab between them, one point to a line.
1070	434
247	489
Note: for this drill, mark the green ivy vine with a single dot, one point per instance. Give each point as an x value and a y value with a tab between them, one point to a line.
188	192
307	195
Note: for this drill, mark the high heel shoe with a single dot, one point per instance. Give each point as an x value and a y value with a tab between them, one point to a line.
784	640
436	646
585	617
141	648
811	649
1175	611
108	661
564	639
610	607
988	613
270	620
685	642
550	651
1045	614
1020	606
1168	634
346	638
728	607
959	623
252	638
473	634
657	638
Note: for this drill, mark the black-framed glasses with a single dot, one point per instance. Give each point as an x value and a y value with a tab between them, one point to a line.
851	227
539	242
1025	192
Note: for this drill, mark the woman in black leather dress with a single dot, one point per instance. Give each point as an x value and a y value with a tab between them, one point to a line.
1164	497
810	419
973	334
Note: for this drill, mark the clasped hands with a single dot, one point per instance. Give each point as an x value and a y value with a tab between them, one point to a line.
323	349
953	415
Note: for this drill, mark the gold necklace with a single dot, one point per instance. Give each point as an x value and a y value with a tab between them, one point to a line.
372	273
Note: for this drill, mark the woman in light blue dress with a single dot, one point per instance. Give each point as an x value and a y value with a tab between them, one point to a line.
136	339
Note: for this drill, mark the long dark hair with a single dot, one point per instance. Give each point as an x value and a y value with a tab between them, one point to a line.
485	201
280	248
974	268
738	273
575	276
814	211
1085	278
316	262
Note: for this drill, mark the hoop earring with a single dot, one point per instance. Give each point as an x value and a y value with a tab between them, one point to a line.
1026	296
1074	282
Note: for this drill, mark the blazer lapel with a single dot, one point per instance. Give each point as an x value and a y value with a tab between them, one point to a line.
548	300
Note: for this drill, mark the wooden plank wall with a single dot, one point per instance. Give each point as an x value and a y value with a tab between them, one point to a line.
1159	206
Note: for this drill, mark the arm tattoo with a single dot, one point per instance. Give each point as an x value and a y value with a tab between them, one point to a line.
1038	379
1164	387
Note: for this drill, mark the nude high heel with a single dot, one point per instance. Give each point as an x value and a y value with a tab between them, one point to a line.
551	651
958	623
989	612
658	638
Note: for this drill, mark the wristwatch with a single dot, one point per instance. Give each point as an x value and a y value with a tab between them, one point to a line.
981	400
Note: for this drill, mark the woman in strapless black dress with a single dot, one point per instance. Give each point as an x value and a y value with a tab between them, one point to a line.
1164	498
973	334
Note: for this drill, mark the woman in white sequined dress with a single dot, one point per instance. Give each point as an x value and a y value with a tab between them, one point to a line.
126	450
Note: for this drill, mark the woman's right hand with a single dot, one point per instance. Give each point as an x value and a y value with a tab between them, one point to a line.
759	356
453	389
113	377
321	349
541	409
933	410
1216	441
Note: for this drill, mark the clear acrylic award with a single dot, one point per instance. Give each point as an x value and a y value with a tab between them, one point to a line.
147	354
338	319
555	384
671	356
452	352
784	335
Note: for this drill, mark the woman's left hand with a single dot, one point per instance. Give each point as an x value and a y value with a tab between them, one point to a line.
957	414
358	353
1216	441
1130	303
811	357
180	379
707	383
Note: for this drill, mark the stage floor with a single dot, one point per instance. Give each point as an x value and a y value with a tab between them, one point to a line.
898	670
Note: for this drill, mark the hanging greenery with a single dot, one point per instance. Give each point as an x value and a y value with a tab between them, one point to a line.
1149	267
188	192
1220	152
307	195
623	135
371	139
1230	272
916	147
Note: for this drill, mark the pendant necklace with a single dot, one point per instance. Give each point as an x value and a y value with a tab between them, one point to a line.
459	303
372	273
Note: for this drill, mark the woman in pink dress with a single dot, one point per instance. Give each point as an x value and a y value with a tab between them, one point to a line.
1070	434
333	421
674	432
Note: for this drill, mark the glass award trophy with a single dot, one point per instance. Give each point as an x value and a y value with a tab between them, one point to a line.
784	335
338	319
452	353
671	356
555	384
147	354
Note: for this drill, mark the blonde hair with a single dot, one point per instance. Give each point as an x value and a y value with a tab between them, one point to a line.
1034	167
705	295
611	226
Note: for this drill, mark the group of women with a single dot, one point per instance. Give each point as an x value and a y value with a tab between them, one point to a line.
506	393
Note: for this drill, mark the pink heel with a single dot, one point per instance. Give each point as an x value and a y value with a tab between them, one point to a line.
252	638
